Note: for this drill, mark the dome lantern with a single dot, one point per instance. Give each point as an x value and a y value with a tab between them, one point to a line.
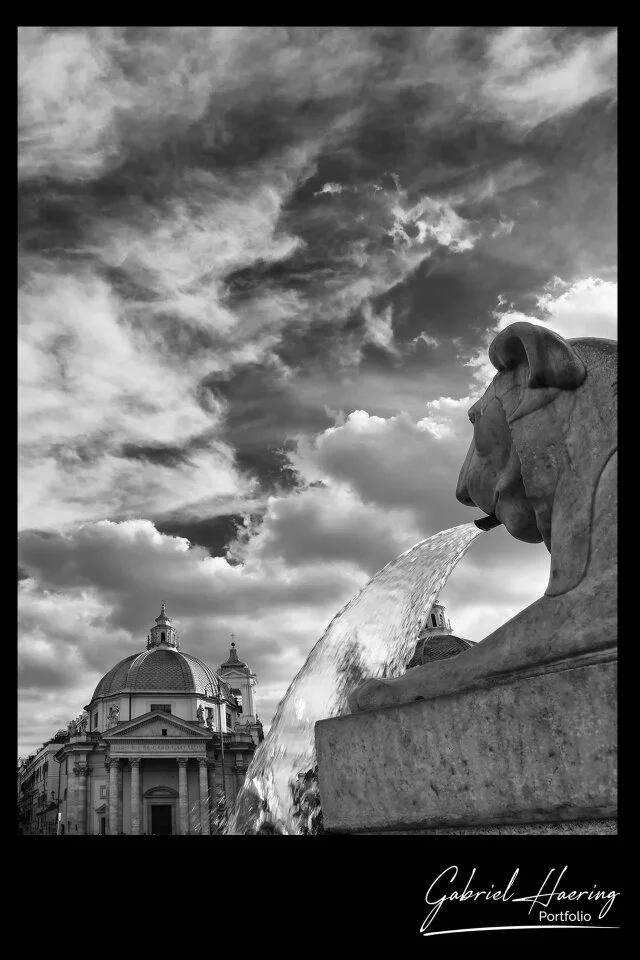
163	632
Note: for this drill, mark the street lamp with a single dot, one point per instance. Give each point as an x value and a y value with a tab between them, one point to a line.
219	701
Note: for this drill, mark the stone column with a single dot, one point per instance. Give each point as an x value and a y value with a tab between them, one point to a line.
113	796
204	797
120	796
135	796
211	773
106	767
141	796
81	772
182	790
240	775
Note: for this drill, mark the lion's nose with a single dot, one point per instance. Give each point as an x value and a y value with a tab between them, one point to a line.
462	494
464	497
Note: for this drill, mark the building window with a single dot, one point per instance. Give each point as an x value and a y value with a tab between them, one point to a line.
164	733
163	637
95	721
103	792
163	707
238	698
209	713
228	716
433	619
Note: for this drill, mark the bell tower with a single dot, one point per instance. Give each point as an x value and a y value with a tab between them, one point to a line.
242	680
163	633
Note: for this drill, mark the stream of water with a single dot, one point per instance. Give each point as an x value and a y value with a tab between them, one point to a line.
372	636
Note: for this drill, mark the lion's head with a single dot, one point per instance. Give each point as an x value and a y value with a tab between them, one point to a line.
543	433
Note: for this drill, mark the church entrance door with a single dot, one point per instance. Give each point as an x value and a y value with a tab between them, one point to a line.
161	819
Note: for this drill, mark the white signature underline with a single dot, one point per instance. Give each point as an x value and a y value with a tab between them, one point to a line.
550	926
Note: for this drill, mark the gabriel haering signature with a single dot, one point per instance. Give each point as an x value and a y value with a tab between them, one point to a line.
546	897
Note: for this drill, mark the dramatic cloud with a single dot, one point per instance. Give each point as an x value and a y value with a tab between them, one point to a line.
93	594
259	270
586	308
534	76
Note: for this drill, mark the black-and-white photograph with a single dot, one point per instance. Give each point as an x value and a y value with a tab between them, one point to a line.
317	396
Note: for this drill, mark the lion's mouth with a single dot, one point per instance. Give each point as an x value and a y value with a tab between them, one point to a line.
488	522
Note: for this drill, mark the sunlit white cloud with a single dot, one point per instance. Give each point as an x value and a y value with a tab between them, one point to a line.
330	188
585	308
427	339
534	76
378	328
89	383
395	463
523	76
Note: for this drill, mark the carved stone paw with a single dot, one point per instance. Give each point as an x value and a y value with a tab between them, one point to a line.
374	694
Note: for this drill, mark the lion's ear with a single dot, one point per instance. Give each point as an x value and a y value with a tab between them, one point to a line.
551	360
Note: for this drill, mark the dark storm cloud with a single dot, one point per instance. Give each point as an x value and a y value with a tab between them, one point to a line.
167	456
263	410
215	534
350	129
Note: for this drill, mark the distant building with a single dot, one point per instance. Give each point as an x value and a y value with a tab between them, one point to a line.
436	640
39	789
163	740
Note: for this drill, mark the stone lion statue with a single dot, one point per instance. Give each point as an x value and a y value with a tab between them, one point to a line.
543	461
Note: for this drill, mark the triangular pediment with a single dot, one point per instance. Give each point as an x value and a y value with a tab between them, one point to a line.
239	672
150	726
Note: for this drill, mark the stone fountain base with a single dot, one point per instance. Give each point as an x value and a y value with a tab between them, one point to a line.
533	752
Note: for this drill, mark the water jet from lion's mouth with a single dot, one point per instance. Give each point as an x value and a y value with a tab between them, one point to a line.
488	522
371	638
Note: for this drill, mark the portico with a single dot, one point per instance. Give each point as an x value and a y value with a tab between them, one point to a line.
151	768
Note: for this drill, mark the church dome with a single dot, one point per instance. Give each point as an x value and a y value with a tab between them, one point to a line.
163	668
436	640
159	669
429	649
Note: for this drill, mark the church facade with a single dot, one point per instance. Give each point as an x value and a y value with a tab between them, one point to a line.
163	741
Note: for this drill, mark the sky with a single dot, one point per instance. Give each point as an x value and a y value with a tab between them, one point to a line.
259	271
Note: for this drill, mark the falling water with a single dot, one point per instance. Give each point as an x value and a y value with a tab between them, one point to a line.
372	636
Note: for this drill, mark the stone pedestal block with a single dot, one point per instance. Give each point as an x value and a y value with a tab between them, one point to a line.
528	753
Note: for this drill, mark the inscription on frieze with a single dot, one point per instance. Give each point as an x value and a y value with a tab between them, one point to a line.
150	747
